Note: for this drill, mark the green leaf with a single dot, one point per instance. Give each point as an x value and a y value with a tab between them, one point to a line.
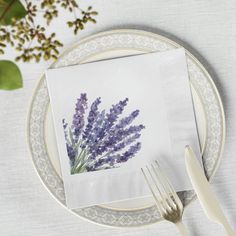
10	76
11	9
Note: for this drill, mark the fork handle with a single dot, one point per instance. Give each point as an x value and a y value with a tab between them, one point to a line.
182	229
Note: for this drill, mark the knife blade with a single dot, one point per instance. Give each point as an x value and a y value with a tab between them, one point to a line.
206	196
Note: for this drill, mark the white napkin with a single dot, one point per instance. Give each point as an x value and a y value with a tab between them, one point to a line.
156	84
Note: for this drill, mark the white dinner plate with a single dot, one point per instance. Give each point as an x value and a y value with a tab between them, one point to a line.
116	43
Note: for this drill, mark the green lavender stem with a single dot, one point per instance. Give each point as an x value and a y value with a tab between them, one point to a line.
79	162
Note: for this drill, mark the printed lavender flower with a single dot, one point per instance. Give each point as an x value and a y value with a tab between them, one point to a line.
130	153
116	137
93	114
125	143
95	134
127	120
71	154
113	115
78	118
103	140
111	160
65	129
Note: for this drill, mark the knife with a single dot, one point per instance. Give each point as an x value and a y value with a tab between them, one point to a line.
206	196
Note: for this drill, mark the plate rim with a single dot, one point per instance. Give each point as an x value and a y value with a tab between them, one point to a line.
142	33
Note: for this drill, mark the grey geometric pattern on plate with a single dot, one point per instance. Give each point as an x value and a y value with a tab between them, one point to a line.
143	41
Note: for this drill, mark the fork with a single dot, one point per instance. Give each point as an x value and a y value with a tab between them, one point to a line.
167	201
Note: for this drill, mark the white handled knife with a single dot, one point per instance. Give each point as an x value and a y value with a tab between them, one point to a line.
204	192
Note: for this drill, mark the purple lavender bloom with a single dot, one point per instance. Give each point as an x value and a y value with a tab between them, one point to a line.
71	154
125	143
78	119
114	138
65	128
91	117
127	120
95	133
130	153
97	143
113	115
119	136
64	124
111	160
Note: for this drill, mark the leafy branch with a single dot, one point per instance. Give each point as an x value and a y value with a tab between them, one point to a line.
18	29
30	39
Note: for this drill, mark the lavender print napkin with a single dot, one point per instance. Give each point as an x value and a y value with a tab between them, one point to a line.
112	117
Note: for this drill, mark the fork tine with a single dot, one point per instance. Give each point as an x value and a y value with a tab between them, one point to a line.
149	185
160	207
165	187
168	184
157	183
165	183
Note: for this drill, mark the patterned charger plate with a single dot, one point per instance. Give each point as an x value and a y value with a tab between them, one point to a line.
41	137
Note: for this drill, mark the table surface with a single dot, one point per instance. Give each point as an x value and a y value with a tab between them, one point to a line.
207	29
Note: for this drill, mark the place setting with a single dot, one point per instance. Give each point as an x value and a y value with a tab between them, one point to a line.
127	129
117	118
